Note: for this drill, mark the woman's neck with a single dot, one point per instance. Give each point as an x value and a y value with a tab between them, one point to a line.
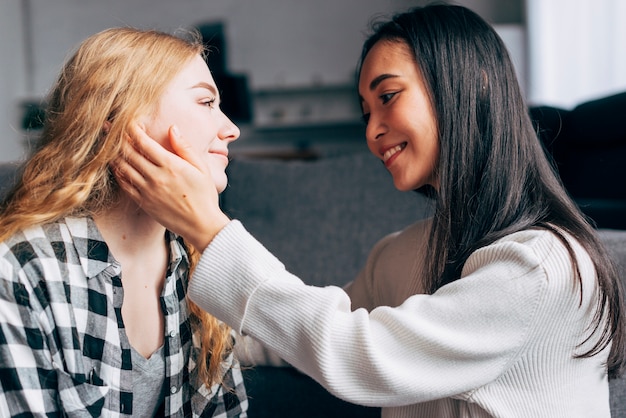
131	235
138	243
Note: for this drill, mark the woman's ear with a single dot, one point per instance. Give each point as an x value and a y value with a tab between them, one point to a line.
106	127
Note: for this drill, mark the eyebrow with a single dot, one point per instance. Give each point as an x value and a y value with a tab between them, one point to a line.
375	82
205	85
379	79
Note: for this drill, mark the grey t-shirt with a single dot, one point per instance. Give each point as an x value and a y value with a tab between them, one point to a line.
148	380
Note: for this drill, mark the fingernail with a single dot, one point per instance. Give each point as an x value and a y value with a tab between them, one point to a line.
176	131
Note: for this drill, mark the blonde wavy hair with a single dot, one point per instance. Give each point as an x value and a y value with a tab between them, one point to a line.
114	77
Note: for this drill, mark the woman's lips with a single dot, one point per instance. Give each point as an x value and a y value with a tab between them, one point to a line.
391	153
221	155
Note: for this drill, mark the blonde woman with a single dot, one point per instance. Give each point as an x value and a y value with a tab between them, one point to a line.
94	316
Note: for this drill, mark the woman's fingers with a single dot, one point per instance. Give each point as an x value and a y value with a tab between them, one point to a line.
184	150
126	174
126	169
150	149
145	164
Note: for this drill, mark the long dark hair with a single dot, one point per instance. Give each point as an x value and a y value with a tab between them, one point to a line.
494	176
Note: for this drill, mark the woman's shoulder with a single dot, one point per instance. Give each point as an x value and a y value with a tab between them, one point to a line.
396	257
50	243
34	237
407	238
551	251
543	242
400	247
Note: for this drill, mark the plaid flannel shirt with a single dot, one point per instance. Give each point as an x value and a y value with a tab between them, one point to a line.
63	348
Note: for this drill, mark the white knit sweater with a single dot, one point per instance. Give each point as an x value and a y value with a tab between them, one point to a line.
498	342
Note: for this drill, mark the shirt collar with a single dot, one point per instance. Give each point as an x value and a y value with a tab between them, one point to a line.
94	254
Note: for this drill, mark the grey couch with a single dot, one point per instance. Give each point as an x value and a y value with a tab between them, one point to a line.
321	218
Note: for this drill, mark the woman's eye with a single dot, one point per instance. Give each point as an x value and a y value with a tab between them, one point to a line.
387	96
210	103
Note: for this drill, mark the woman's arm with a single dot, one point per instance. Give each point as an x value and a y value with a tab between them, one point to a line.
23	387
31	382
431	346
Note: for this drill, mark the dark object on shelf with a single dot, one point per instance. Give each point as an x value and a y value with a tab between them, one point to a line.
234	92
34	114
235	96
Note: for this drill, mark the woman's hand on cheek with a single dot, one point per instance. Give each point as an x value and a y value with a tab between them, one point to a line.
176	190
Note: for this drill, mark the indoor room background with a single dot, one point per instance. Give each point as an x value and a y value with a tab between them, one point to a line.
289	65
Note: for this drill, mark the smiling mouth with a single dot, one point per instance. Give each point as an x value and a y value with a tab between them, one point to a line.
219	152
393	151
220	155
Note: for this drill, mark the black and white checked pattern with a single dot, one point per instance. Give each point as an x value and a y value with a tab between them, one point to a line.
63	348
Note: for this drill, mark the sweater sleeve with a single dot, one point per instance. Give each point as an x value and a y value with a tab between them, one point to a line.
431	346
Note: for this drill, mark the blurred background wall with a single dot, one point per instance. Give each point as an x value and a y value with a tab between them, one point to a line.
298	52
296	58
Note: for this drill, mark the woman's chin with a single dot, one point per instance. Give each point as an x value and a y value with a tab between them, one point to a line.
402	186
407	184
221	181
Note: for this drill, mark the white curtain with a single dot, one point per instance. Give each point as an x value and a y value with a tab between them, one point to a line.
576	50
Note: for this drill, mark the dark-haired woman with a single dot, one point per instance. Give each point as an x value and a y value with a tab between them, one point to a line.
503	304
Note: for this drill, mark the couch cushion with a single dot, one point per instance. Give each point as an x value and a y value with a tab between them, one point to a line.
594	149
598	122
588	144
615	242
618	397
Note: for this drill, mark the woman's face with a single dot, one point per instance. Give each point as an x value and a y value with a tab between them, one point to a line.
191	102
401	126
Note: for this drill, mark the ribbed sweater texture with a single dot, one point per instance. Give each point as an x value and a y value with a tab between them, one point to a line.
499	342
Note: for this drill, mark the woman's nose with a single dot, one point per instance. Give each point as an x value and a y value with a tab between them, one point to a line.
229	131
375	129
